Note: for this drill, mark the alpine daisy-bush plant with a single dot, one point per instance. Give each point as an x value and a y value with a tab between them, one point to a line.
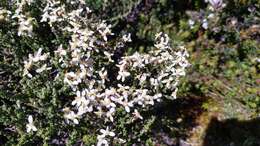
80	78
70	75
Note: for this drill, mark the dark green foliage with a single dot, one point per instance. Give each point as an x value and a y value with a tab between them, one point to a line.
225	66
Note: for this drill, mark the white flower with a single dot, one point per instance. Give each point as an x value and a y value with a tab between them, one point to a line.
60	51
179	72
80	99
122	74
120	140
157	97
137	115
82	109
105	133
211	15
30	126
205	24
34	59
191	23
100	112
181	59
104	30
154	82
107	103
27	67
25	27
142	78
70	115
174	93
87	8
162	41
258	60
127	37
102	138
157	35
125	103
137	60
103	75
109	56
72	79
45	16
102	142
43	68
110	114
123	91
38	56
4	14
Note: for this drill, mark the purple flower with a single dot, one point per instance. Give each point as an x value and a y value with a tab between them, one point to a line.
216	3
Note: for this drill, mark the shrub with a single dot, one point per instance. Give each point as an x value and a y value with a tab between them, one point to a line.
76	80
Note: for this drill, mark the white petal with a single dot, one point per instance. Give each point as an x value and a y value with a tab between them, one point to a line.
76	121
102	131
111	119
30	119
78	93
28	128
127	109
29	75
112	134
34	128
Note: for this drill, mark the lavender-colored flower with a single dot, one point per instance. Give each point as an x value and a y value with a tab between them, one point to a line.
251	9
216	3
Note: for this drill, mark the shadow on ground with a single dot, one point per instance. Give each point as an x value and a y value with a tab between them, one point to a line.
176	119
233	132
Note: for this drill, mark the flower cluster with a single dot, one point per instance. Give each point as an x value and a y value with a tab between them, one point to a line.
207	18
4	14
84	61
216	4
34	60
25	22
